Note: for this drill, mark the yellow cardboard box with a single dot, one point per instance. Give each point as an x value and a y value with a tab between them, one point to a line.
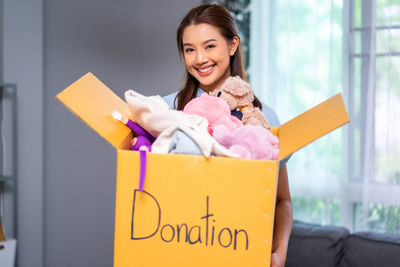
194	211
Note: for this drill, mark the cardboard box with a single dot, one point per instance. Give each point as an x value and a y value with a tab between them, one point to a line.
194	211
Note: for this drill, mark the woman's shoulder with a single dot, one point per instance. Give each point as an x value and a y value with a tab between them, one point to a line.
170	99
271	115
273	120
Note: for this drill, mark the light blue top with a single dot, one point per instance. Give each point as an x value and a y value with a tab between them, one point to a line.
269	113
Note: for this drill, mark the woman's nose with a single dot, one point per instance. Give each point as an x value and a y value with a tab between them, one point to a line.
201	57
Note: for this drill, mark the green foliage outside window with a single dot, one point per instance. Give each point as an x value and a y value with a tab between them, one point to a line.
380	218
319	211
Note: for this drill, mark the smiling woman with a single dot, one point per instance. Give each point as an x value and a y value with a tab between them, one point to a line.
210	47
207	55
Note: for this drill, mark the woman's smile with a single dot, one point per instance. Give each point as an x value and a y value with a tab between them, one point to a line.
206	70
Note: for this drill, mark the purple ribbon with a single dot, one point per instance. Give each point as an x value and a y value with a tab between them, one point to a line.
143	166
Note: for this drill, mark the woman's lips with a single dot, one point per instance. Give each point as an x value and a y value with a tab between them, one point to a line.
205	71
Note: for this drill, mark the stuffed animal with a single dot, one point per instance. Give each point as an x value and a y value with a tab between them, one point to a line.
239	96
141	142
249	142
246	141
215	110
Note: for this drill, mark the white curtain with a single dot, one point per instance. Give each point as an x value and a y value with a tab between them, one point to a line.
302	52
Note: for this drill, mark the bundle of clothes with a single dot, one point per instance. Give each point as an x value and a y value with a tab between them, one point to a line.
206	126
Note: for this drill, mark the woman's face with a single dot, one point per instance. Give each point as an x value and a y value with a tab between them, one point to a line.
207	55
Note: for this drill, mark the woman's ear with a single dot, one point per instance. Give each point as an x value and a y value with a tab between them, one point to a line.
233	45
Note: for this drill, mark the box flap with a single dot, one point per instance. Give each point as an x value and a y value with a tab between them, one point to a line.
311	125
92	101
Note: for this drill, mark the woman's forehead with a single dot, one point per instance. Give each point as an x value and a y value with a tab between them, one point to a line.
200	33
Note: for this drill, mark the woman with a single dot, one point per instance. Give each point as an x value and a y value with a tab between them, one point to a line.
209	45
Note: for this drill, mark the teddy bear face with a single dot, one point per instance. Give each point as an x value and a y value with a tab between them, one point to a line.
236	92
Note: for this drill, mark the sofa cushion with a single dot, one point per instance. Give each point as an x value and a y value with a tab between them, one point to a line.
315	245
368	249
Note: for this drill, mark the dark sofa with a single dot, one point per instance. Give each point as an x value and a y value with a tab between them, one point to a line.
316	245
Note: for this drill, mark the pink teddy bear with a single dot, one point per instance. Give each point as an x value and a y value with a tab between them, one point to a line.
247	141
215	110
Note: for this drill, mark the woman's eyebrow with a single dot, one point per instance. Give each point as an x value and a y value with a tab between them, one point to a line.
207	41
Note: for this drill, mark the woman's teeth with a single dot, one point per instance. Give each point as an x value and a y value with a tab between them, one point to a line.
206	69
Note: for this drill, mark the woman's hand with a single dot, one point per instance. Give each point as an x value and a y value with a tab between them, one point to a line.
276	261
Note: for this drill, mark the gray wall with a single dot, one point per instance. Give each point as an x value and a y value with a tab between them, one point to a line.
127	44
1	42
23	65
66	171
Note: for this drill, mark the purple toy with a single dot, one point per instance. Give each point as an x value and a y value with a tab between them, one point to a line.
143	141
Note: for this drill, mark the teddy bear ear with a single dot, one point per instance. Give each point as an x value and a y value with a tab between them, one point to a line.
236	86
242	90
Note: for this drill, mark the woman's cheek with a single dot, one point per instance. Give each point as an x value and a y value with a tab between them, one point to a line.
188	62
186	58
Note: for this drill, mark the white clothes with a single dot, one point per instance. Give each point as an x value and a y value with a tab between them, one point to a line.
155	115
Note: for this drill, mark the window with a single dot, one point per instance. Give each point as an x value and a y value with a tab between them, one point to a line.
302	52
374	95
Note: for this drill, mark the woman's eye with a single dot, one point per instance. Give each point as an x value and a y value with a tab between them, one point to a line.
210	46
188	50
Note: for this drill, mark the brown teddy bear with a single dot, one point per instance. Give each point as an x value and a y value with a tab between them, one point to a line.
239	96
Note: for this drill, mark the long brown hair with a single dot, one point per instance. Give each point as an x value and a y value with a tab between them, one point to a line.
218	16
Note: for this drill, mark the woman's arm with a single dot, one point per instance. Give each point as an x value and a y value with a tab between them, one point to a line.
283	220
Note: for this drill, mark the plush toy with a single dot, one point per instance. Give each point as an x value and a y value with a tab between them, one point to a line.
249	142
246	141
239	96
215	110
143	140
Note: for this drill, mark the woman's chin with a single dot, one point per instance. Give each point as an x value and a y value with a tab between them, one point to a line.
208	87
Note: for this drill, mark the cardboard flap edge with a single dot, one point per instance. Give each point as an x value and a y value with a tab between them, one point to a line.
92	101
311	125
